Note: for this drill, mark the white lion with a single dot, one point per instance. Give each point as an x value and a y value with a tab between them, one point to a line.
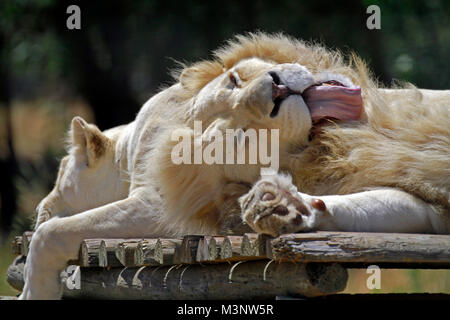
352	157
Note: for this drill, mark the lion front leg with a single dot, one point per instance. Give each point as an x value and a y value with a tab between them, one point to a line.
230	220
274	206
58	240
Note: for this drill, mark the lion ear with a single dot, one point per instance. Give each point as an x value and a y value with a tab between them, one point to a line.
187	77
197	76
89	141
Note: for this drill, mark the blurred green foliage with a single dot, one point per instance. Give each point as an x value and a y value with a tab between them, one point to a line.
138	38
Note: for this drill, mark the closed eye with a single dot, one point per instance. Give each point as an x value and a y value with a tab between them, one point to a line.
235	79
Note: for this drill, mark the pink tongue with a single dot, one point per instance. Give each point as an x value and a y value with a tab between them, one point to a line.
333	102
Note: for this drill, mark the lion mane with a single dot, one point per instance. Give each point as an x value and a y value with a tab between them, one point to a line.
398	142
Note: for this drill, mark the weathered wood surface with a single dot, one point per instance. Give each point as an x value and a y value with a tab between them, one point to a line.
165	251
242	280
187	251
16	245
26	239
89	253
126	252
145	253
353	247
176	268
107	253
14	274
254	245
231	248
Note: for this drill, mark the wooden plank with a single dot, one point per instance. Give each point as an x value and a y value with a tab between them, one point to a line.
362	248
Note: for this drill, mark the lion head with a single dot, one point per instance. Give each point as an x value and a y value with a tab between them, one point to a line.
273	82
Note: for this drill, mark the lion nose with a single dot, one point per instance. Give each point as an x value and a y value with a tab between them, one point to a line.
275	77
279	91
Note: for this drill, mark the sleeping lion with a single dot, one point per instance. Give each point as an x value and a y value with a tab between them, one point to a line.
349	156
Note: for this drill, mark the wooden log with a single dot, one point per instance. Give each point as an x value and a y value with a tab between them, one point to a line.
165	250
209	248
187	252
26	239
215	248
89	250
244	280
16	245
363	248
14	274
202	249
145	253
231	248
125	252
248	243
260	245
107	253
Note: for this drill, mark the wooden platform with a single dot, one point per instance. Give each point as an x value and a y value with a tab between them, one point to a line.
232	267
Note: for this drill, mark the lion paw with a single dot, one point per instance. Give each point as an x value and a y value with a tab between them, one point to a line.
273	206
